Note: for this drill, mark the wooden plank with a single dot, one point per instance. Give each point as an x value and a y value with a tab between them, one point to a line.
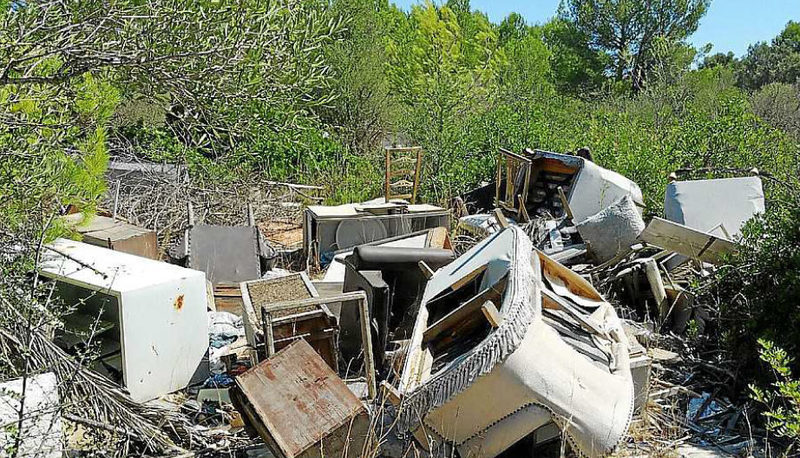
416	176
526	191
491	313
464	311
565	203
437	238
501	218
298	404
426	270
366	336
686	241
266	326
523	212
458	284
574	282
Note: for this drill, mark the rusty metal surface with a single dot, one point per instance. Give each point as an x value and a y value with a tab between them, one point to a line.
300	406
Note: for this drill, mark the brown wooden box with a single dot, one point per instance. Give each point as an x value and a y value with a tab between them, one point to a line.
300	407
115	234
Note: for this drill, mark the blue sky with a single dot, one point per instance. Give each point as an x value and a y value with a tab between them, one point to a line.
731	25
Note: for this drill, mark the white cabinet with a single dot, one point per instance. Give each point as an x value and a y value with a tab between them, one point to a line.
149	317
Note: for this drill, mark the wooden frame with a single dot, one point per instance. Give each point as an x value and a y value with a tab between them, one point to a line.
250	318
317	326
392	173
508	199
366	336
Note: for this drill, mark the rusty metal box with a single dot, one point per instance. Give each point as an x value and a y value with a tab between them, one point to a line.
301	408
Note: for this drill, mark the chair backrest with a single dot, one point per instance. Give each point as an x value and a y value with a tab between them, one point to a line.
516	170
402	172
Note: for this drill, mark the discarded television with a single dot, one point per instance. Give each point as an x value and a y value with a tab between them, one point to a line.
144	322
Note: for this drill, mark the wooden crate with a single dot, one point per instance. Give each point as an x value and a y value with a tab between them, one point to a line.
115	234
314	323
300	407
228	298
318	327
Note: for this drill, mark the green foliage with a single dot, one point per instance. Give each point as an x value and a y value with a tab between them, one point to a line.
44	165
577	68
528	72
719	59
363	108
783	398
758	292
627	30
779	105
778	61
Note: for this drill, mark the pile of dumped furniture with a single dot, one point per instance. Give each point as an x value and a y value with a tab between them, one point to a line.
392	338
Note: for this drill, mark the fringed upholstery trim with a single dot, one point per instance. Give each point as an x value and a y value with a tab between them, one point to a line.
521	308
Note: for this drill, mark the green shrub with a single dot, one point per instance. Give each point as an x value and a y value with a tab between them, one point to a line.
758	293
782	399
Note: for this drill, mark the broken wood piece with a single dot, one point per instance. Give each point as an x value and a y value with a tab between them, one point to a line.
426	270
438	237
523	212
656	283
570	253
390	393
565	203
501	218
266	326
686	241
468	278
491	313
300	407
465	311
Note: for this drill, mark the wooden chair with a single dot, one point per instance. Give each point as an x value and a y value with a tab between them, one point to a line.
517	174
402	172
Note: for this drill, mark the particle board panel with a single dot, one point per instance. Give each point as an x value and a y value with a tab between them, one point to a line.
686	241
116	234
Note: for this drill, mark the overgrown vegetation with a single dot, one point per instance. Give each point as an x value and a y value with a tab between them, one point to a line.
783	400
309	91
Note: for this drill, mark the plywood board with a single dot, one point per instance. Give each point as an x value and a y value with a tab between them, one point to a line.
686	241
